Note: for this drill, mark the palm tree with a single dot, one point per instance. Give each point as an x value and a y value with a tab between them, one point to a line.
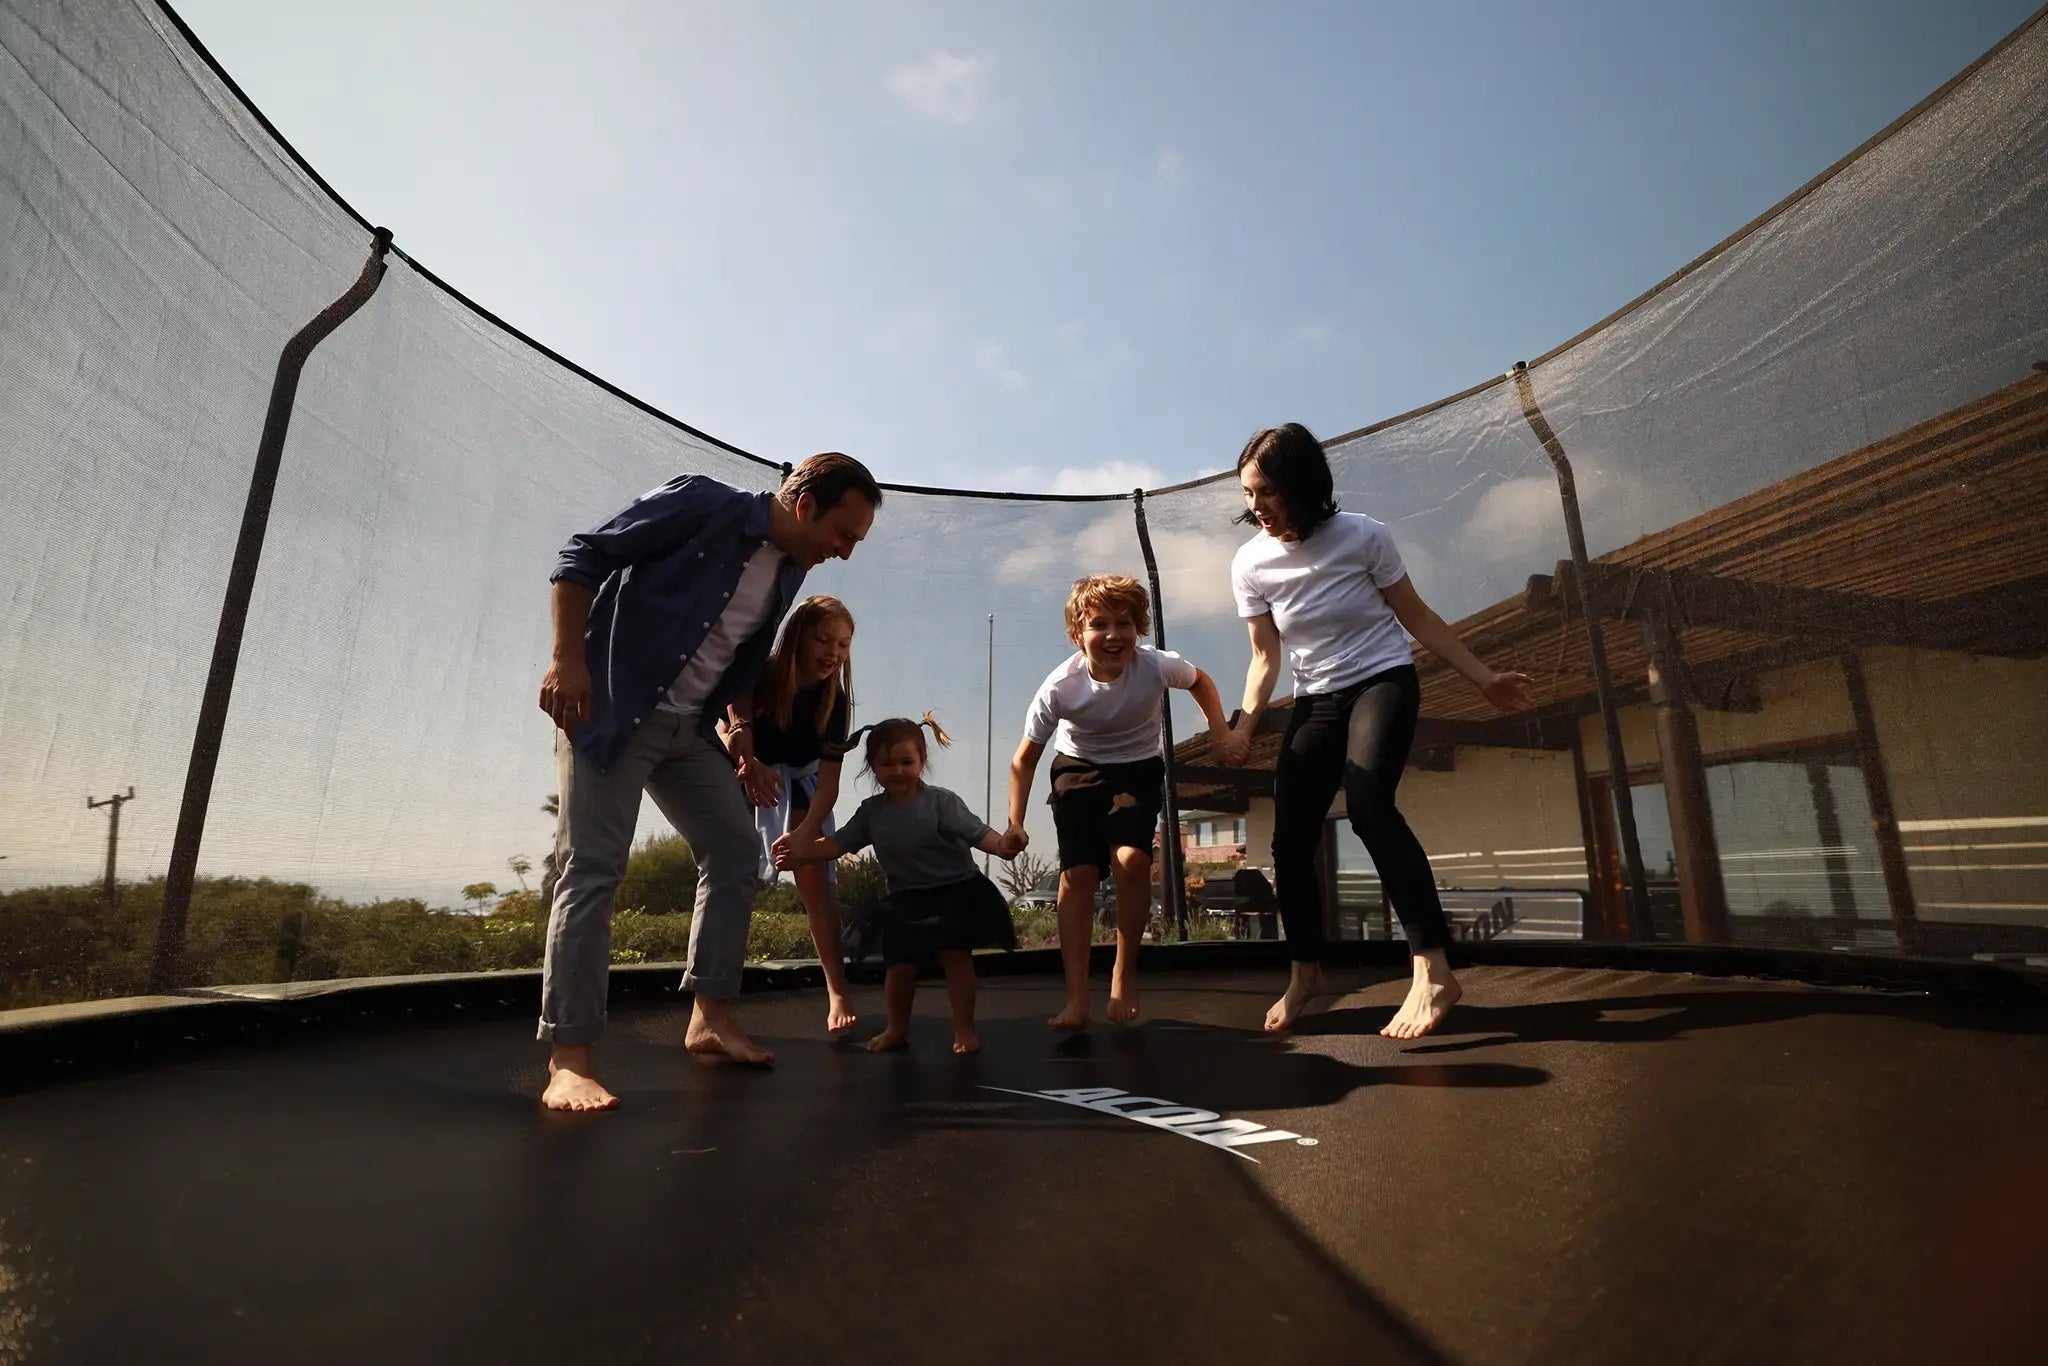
480	892
520	865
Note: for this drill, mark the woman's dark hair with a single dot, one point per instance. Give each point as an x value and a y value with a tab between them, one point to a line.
1293	462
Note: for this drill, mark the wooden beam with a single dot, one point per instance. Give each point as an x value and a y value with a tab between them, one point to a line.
1697	597
1702	897
1212	799
1254	782
1891	853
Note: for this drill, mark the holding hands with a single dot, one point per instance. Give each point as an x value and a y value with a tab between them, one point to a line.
1228	747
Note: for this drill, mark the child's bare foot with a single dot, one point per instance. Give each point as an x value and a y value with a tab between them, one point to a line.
889	1040
1074	1017
572	1087
966	1040
715	1033
1123	1001
1303	985
839	1014
1431	997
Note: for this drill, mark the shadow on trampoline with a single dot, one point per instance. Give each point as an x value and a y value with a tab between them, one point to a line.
1660	1017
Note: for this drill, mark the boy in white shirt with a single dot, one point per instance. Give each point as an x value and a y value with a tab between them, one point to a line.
1100	712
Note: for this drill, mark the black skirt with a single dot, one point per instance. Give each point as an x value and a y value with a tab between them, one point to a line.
917	924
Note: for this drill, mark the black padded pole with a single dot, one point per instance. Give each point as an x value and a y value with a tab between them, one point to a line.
1169	812
1596	650
167	970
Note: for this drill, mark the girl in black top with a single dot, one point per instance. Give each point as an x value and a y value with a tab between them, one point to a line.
800	713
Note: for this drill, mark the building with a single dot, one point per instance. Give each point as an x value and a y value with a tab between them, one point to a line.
1831	698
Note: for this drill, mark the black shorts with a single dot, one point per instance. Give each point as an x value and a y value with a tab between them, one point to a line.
1101	808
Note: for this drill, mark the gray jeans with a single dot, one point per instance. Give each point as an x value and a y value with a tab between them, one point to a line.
694	785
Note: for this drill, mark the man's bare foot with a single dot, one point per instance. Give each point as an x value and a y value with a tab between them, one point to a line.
715	1033
1123	1001
839	1014
966	1040
1074	1017
889	1040
1304	984
1431	997
572	1087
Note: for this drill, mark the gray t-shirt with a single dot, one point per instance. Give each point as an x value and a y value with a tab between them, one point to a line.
928	842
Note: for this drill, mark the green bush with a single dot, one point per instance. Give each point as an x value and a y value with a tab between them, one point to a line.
660	878
61	944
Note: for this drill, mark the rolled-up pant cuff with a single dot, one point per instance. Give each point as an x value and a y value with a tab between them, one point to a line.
712	988
570	1035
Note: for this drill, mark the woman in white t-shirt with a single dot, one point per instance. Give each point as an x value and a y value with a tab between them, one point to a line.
1329	588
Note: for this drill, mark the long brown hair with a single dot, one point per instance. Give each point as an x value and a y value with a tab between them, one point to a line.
775	694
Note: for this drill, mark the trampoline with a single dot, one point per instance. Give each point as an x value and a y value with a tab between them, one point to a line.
1593	1164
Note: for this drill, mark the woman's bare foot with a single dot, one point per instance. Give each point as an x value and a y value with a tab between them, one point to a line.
1304	984
714	1032
1074	1017
1430	998
966	1040
1123	998
889	1040
839	1014
571	1085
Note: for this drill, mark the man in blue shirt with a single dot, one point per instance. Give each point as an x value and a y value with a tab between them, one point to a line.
664	617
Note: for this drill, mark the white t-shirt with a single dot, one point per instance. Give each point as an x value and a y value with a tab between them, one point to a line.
1324	594
744	612
1106	723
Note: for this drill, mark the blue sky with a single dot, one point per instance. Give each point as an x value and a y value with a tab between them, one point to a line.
1035	246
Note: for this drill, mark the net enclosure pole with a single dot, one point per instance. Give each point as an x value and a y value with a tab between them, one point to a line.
166	971
1171	890
988	740
1596	652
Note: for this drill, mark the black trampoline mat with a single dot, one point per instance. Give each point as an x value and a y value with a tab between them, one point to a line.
1588	1166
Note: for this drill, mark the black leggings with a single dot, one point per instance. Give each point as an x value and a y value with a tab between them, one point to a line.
1356	738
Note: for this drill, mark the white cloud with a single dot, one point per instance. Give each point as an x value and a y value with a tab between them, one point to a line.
1171	168
1194	567
1117	476
942	86
995	363
1519	522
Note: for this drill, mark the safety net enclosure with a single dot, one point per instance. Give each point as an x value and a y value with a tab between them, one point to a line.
1808	466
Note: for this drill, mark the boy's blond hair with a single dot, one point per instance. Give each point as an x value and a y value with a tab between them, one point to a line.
1113	593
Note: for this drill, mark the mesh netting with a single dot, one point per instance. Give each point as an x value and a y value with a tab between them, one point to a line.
1809	469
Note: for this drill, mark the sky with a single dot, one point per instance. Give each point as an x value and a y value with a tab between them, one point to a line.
1069	247
1045	248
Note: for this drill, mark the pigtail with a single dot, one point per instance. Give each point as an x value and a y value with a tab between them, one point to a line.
938	731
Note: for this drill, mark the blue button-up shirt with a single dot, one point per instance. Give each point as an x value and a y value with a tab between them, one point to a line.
664	569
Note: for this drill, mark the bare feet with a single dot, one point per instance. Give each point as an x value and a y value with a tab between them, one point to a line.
966	1040
889	1040
1303	985
1430	998
1074	1017
713	1032
571	1085
1123	998
839	1014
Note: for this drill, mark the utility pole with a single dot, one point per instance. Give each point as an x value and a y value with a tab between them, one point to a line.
114	805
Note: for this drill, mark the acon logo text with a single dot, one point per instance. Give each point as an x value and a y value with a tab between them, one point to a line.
1203	1126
